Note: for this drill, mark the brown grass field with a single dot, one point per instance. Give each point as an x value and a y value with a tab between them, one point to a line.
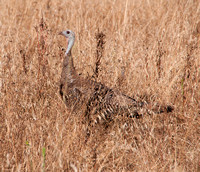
151	51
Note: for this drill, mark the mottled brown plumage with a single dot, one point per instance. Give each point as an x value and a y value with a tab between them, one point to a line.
96	101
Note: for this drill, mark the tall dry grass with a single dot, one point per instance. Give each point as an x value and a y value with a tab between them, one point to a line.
152	50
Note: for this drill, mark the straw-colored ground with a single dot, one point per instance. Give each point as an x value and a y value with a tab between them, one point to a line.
152	49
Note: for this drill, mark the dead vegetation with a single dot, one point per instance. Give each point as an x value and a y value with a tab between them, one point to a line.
152	51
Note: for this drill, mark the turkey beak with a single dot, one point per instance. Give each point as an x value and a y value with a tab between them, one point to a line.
60	33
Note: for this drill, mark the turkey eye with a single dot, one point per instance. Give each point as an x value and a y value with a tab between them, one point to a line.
68	32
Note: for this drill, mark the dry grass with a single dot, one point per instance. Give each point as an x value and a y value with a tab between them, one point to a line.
152	49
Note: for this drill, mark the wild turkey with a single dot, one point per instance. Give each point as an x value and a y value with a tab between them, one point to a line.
95	100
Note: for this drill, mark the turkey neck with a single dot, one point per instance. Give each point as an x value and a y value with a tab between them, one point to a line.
68	75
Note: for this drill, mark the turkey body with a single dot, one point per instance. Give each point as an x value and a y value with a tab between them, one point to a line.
98	102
